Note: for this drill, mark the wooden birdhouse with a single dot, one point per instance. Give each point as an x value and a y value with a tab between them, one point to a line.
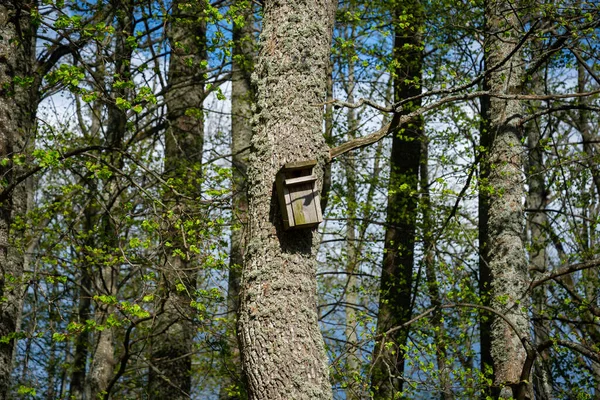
298	195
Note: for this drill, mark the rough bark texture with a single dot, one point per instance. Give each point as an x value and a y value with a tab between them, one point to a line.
242	97
282	348
17	113
398	260
505	218
172	347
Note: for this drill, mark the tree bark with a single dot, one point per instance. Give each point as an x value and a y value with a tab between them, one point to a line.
173	343
395	306
17	114
505	249
282	347
242	97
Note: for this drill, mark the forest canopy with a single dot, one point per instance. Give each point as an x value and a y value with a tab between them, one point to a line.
452	148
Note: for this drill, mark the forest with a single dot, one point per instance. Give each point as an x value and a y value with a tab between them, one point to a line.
300	199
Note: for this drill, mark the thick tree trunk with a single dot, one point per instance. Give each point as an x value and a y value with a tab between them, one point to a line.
395	306
282	348
17	113
242	97
172	345
505	214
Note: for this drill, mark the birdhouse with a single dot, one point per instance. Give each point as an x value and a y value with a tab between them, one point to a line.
298	195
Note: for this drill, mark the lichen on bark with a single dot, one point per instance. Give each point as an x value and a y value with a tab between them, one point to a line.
282	349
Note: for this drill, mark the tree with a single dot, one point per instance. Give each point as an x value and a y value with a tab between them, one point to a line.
242	98
173	341
17	116
396	297
282	348
504	258
130	265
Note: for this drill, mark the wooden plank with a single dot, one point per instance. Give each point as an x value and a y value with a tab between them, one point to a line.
290	223
302	199
291	166
301	179
317	205
282	195
299	194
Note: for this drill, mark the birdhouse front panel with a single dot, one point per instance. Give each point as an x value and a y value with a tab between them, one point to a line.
298	195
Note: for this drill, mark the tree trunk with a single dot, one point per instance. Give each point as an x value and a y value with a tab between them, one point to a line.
589	277
395	306
242	97
505	217
353	390
173	343
537	223
282	347
485	322
103	359
82	342
433	284
78	376
17	114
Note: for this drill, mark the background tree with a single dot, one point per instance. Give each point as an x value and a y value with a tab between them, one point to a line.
174	330
396	298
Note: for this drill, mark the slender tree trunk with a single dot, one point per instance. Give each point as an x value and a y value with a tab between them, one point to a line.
395	306
433	283
536	200
328	137
82	342
17	114
505	249
282	347
352	357
103	359
537	224
242	97
172	345
590	149
486	362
